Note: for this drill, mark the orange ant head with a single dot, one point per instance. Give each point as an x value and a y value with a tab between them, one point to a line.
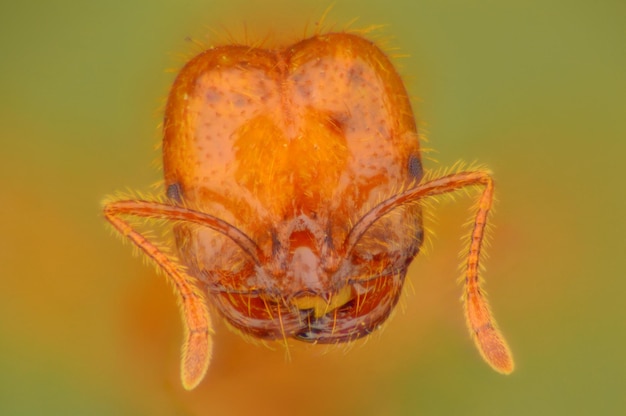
293	179
292	148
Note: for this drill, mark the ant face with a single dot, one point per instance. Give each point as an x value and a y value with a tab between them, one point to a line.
293	180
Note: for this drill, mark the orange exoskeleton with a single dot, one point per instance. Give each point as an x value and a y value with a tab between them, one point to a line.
293	181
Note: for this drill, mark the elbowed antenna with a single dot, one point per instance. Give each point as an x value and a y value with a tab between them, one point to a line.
197	347
483	328
149	209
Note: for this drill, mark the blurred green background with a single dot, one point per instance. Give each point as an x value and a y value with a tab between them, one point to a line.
533	89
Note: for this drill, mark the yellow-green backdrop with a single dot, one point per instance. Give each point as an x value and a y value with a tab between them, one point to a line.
533	89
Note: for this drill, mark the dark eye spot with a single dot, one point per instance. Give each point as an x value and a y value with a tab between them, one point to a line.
415	166
419	237
174	192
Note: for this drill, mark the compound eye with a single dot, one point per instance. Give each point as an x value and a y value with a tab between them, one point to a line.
415	166
174	192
